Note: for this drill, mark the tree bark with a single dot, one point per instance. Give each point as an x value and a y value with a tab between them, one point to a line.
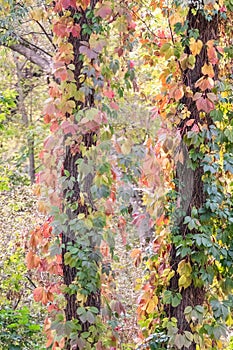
70	273
25	120
33	55
192	295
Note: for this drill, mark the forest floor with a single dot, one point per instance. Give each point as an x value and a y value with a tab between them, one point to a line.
19	215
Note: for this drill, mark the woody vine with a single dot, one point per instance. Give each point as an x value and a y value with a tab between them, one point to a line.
186	299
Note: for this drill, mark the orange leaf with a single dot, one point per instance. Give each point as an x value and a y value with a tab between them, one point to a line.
212	55
38	293
207	69
190	122
205	83
135	252
178	93
32	260
195	46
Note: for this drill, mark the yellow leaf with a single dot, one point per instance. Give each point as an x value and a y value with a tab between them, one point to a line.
81	216
82	200
42	207
126	147
219	344
152	305
207	69
180	266
195	46
184	281
184	268
37	14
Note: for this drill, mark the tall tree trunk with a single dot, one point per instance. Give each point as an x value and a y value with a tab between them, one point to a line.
70	165
188	179
25	120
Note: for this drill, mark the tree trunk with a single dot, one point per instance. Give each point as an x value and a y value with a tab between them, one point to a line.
25	120
70	165
190	188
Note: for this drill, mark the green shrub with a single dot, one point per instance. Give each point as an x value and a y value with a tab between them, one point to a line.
18	331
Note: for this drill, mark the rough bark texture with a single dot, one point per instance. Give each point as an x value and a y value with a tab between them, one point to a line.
192	295
70	165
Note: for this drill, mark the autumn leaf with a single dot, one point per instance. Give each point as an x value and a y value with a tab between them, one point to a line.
207	69
152	305
68	3
108	93
38	294
178	93
104	249
61	29
76	29
204	104
205	83
85	49
114	105
37	14
211	52
83	3
105	10
195	46
190	122
69	128
135	252
32	260
61	73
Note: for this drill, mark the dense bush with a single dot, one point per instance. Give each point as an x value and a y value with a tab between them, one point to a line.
18	330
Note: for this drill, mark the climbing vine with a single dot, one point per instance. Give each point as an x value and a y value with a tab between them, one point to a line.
187	301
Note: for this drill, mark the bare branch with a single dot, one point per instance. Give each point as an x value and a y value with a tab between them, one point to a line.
45	63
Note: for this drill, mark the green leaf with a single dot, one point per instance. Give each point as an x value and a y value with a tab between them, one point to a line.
176	300
81	311
188	310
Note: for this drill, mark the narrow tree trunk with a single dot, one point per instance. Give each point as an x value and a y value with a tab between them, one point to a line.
191	296
25	120
70	164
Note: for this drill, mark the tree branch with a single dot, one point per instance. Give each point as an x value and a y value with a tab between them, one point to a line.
45	63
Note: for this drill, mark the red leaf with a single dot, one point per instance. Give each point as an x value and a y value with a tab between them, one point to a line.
114	105
76	30
212	55
104	11
61	29
68	3
61	73
38	293
108	93
54	127
69	128
195	128
190	122
204	104
47	119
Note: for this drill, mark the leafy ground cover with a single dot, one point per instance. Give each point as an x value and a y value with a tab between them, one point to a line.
21	319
